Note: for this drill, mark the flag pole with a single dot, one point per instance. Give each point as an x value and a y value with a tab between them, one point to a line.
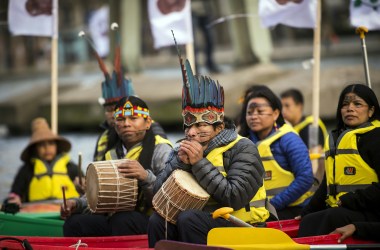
190	56
54	69
313	133
190	47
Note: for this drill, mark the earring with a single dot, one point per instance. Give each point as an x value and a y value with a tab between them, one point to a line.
275	126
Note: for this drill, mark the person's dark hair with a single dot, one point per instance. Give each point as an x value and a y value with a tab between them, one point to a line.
274	101
293	93
148	142
364	92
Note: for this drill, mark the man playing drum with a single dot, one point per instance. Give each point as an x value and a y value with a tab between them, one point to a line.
226	165
147	153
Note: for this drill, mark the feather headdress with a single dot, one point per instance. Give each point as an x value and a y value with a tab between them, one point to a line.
116	86
202	97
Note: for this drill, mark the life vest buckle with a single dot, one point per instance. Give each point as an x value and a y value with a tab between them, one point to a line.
333	189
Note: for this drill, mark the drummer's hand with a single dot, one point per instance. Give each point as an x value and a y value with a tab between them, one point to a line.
71	205
183	156
345	231
80	188
132	169
14	198
192	149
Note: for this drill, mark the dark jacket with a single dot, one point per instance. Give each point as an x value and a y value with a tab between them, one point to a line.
242	164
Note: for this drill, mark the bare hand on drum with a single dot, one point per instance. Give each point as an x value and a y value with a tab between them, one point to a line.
132	169
70	207
192	149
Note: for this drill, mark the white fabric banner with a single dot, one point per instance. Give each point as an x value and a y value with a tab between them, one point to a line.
98	26
27	18
294	13
165	16
365	14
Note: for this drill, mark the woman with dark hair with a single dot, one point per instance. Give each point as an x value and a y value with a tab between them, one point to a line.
146	153
349	192
288	172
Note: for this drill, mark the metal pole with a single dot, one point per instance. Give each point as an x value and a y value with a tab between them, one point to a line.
361	31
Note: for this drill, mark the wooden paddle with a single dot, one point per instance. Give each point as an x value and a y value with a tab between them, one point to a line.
224	212
267	238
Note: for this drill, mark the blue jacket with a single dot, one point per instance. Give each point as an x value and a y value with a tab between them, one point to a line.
292	155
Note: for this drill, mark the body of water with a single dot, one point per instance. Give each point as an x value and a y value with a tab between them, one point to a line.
11	147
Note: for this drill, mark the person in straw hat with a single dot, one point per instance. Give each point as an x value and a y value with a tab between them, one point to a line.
47	167
226	165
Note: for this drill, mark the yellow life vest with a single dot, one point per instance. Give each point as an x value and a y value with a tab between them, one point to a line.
346	171
276	178
134	152
308	121
101	146
43	186
258	211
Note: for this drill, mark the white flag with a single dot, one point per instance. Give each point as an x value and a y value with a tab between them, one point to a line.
365	13
165	16
99	26
30	18
295	13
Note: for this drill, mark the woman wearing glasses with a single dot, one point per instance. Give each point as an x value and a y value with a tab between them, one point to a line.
352	163
288	172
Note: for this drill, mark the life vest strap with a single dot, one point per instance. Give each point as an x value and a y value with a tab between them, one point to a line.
335	189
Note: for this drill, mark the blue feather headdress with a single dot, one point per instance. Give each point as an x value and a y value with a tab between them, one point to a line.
116	86
202	97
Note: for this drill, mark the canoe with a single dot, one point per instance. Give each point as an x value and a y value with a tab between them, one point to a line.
139	242
290	227
31	224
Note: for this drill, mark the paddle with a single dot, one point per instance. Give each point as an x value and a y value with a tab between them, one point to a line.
267	238
224	212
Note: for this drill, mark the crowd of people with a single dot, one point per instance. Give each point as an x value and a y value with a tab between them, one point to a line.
260	167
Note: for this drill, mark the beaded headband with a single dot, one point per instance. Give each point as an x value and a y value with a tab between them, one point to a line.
129	110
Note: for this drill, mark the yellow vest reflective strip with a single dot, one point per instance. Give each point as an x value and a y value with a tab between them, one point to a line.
258	212
346	171
134	153
44	187
102	146
278	179
308	121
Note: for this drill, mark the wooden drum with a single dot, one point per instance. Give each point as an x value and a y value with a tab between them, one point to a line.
107	190
180	192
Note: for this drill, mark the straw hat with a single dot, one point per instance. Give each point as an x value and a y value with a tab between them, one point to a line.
42	132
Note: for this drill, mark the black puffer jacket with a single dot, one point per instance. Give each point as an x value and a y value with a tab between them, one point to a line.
243	166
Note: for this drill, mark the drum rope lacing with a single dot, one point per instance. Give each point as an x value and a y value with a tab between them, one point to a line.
117	184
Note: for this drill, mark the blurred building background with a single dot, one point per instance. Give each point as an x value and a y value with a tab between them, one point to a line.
244	52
